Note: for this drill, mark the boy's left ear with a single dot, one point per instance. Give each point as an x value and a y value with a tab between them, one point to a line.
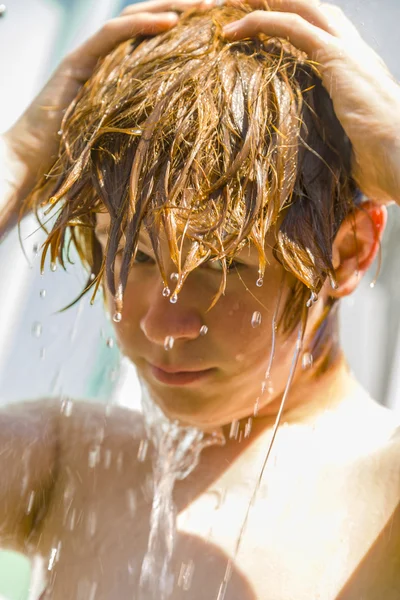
356	245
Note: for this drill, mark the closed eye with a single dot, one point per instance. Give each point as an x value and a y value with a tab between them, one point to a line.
140	258
217	265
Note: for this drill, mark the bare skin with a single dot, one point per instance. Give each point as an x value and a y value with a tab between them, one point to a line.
326	520
325	523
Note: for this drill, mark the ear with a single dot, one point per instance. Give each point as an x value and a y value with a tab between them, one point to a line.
356	245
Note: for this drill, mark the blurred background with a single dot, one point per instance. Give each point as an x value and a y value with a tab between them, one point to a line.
47	353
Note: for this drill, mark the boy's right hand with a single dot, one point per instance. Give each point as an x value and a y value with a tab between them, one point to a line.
30	146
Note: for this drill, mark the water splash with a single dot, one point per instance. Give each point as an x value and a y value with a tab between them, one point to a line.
256	319
177	453
307	361
169	343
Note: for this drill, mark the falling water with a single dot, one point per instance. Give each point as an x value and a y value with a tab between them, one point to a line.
177	453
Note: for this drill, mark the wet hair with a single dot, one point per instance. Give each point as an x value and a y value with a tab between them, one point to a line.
213	142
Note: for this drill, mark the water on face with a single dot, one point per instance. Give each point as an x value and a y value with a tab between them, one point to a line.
176	453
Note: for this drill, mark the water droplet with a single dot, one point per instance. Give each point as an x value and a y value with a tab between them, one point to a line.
247	427
256	406
307	360
30	502
174	276
110	342
52	558
37	329
94	457
117	318
174	298
260	282
312	299
92	276
142	452
334	284
53	267
372	285
35	249
169	343
3	9
66	407
42	293
42	353
186	575
203	330
59	132
256	319
166	292
234	430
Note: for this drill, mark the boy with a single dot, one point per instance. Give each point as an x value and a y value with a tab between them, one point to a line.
213	194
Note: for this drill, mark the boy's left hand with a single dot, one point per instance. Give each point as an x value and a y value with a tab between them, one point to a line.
365	95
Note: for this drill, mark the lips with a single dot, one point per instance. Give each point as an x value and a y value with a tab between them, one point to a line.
174	376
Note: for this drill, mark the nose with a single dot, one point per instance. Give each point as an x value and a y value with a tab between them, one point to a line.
161	319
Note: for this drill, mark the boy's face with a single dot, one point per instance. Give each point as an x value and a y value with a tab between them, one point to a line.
212	379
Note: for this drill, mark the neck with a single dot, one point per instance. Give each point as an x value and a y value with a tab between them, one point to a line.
309	397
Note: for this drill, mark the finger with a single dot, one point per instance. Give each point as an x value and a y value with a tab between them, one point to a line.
290	26
116	31
342	24
155	6
308	9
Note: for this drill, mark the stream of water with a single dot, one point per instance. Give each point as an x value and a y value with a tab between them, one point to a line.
176	453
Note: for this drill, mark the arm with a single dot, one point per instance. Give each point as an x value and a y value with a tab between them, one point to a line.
28	467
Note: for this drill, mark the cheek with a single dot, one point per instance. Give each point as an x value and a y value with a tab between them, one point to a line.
128	330
241	322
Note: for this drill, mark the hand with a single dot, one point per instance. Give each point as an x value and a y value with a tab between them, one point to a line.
365	96
31	145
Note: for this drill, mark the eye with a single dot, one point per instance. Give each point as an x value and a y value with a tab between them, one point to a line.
142	257
217	265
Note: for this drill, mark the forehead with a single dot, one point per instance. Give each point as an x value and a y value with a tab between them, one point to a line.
249	252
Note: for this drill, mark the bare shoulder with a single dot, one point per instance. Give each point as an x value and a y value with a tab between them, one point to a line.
92	429
378	573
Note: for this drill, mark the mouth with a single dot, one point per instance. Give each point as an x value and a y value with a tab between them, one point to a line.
175	377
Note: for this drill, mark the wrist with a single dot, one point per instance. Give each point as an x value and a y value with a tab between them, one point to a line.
13	184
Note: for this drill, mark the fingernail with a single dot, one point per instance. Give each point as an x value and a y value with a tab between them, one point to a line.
173	16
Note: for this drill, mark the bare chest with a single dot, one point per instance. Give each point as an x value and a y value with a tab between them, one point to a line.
311	532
